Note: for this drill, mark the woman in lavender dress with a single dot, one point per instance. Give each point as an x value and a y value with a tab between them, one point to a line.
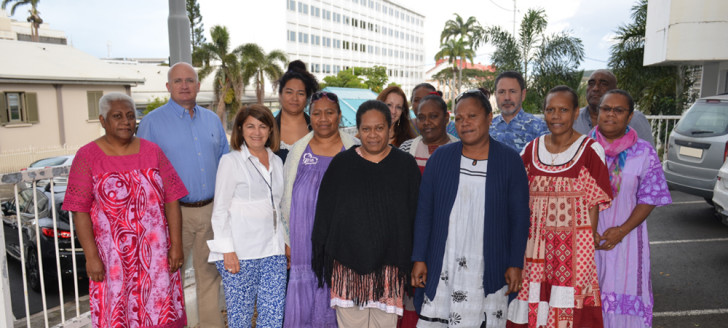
307	305
638	184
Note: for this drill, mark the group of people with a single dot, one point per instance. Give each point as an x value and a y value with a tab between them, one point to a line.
510	221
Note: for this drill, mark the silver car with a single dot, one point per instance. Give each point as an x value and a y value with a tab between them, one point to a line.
698	147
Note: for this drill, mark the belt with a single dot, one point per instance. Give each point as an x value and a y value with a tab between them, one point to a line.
196	204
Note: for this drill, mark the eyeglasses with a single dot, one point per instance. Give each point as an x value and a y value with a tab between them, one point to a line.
470	93
318	95
615	110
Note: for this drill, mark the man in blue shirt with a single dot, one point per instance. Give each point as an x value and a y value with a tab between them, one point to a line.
514	127
193	139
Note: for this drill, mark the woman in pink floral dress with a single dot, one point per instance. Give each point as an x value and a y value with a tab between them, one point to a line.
123	193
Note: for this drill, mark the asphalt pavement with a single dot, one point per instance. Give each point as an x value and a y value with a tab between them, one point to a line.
689	252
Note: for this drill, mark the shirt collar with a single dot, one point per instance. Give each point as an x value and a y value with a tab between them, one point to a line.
519	115
180	111
245	152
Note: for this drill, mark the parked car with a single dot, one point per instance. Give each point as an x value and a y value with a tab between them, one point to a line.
697	147
720	194
56	161
45	227
52	162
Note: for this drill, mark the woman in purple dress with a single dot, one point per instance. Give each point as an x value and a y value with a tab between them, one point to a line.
306	304
638	184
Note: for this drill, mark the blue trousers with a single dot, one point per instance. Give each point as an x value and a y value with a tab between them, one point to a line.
262	280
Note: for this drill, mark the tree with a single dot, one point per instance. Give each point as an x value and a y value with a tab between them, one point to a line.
452	50
227	69
197	31
376	77
34	18
464	31
257	65
656	89
343	79
372	78
551	59
154	104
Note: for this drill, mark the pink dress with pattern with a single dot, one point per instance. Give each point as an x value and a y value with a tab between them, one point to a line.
125	196
560	285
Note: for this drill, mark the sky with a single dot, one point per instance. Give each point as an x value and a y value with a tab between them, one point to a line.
138	28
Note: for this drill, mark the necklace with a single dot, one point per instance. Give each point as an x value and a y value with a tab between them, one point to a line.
558	150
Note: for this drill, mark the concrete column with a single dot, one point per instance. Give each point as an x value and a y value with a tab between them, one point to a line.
180	45
61	118
709	83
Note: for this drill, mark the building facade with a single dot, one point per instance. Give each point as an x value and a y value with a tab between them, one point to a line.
333	35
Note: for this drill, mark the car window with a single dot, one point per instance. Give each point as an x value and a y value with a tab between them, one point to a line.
26	201
704	120
53	161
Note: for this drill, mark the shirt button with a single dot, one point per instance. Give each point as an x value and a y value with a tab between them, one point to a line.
203	170
195	138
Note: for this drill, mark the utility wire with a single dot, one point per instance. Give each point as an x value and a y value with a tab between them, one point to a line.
499	6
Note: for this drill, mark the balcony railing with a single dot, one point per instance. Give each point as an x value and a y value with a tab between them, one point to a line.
24	213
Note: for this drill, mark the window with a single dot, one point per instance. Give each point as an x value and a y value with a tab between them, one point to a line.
292	5
291	36
18	107
93	98
337	68
346	45
302	37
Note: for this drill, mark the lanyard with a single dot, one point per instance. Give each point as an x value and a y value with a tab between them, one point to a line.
270	188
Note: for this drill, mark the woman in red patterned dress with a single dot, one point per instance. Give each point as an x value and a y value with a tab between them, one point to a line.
568	185
123	193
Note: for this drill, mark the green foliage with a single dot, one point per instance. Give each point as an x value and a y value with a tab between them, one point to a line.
257	65
372	78
655	89
551	59
155	103
34	17
227	69
458	40
197	31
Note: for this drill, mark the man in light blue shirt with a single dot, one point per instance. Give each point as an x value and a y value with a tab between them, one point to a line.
514	127
193	139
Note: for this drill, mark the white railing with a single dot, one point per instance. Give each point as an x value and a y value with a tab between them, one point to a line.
56	317
662	125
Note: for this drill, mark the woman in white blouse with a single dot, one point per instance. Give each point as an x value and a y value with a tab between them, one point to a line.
248	248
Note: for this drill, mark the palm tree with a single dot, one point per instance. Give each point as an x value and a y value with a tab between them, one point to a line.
226	66
554	59
257	64
464	31
656	89
34	18
454	50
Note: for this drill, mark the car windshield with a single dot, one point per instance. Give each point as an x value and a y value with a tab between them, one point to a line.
704	120
53	161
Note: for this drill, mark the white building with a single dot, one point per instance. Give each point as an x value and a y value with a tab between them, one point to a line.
689	32
332	35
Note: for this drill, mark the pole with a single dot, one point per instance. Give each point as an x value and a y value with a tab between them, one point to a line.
180	46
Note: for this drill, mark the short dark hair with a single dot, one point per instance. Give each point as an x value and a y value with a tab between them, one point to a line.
563	88
297	70
373	105
626	94
261	113
420	86
437	100
511	75
481	95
